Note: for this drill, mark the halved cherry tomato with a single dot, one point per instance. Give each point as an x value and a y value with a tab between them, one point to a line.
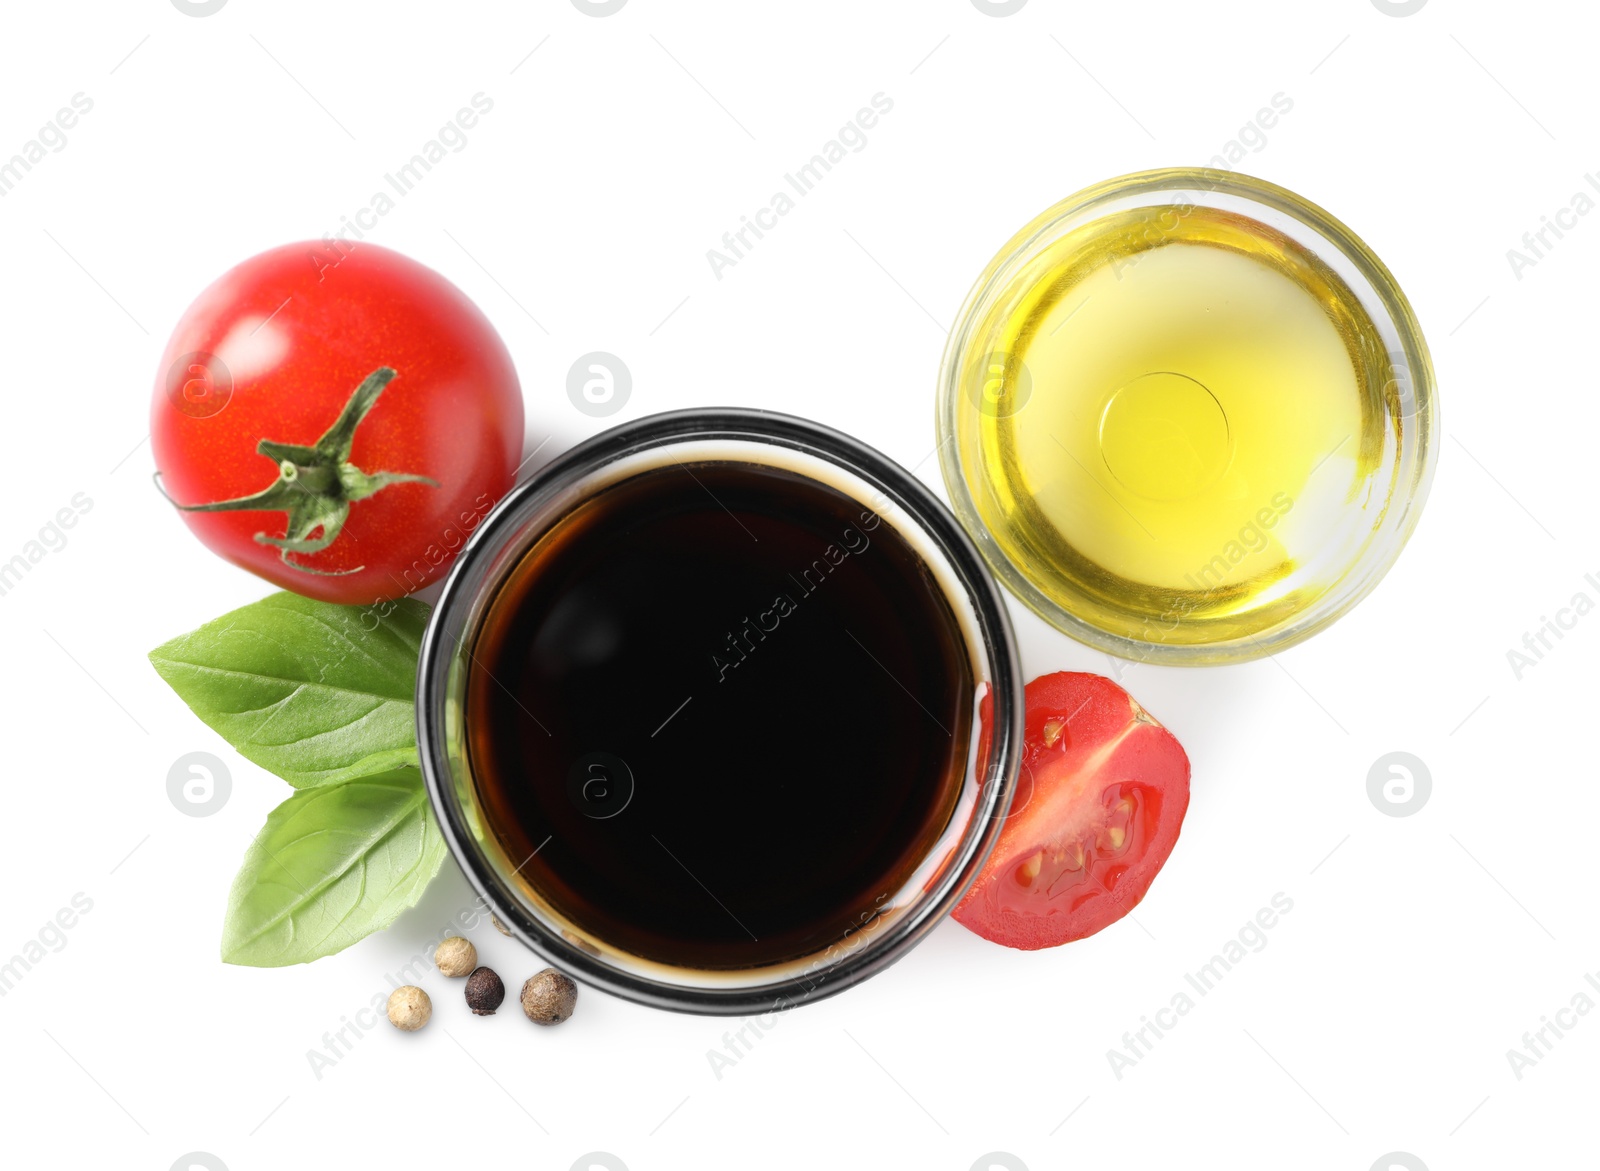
1099	804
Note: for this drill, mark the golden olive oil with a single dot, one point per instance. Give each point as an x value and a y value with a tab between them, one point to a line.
1170	421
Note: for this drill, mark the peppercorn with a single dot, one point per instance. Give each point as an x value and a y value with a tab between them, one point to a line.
409	1008
485	991
548	997
455	957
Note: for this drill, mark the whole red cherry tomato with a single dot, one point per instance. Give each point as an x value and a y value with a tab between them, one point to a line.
336	418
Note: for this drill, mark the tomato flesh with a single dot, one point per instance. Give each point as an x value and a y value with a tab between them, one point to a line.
1099	804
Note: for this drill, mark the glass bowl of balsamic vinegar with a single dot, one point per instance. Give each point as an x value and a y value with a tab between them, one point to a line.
699	711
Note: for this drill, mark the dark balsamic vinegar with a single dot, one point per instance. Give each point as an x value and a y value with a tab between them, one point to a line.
719	713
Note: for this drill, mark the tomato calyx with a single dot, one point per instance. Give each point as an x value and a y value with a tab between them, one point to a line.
316	485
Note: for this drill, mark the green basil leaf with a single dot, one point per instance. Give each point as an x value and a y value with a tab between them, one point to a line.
332	865
315	692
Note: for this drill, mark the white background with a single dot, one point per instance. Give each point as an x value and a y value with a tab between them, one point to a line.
1419	950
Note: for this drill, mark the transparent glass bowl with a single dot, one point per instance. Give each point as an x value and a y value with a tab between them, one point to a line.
529	511
1380	519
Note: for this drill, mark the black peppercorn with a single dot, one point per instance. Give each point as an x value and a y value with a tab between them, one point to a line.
484	991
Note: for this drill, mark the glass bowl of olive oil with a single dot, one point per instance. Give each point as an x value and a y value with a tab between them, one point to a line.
1188	417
